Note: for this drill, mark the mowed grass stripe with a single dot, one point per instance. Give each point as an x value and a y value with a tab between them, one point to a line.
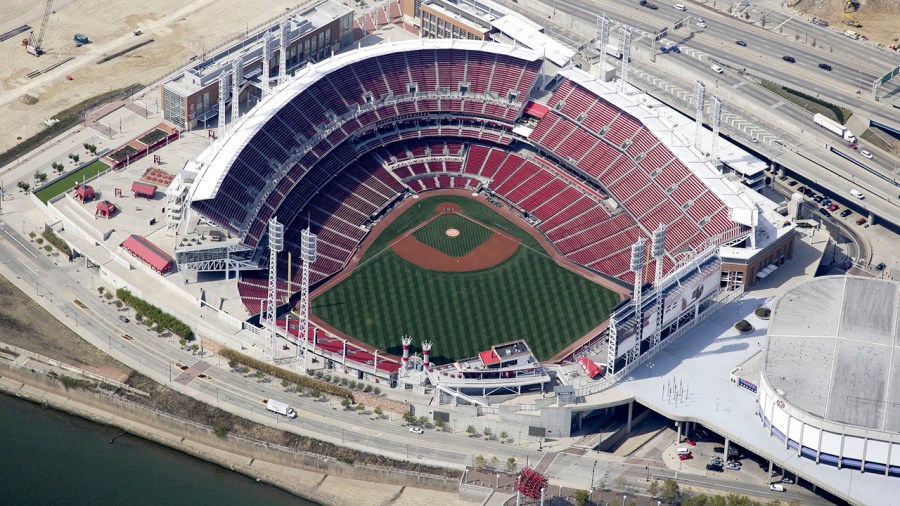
434	234
464	313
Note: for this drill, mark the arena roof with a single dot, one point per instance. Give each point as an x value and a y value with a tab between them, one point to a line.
834	350
217	159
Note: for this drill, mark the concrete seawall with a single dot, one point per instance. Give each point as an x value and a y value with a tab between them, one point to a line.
319	478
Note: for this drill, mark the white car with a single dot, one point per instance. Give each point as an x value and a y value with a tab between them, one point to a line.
680	7
866	154
416	430
717	69
701	24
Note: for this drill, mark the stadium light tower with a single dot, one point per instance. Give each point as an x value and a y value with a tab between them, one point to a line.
276	245
659	251
716	124
625	49
612	345
282	50
237	78
638	250
602	40
308	242
699	100
266	57
223	97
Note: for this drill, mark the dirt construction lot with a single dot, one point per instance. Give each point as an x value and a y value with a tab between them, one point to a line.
180	29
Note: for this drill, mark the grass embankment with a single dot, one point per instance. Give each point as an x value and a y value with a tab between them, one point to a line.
808	102
71	180
225	423
526	297
67	119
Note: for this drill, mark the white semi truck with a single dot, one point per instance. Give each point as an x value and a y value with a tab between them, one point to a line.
835	128
282	408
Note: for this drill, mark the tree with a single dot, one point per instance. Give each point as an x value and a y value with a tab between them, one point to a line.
409	417
488	433
285	383
440	424
670	491
360	407
581	497
182	342
470	430
346	403
495	462
378	412
233	364
40	176
139	317
423	421
118	303
480	462
220	430
259	375
653	489
511	465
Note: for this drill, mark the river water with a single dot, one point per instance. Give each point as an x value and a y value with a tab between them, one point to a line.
48	457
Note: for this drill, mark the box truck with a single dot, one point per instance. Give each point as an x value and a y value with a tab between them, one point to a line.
281	408
834	127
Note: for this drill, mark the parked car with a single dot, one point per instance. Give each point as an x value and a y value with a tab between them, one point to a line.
124	319
817	199
663	50
845	213
789	481
880	266
866	154
861	221
783	178
792	183
714	467
416	430
740	43
833	207
715	459
824	212
719	449
675	49
789	59
686	456
733	466
825	66
689	441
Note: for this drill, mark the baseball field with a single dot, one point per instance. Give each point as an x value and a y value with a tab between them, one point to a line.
462	305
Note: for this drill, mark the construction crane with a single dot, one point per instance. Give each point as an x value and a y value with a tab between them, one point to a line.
33	44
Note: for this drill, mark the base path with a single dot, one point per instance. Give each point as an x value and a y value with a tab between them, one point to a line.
491	252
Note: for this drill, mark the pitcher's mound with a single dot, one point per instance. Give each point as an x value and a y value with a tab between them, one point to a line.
452	232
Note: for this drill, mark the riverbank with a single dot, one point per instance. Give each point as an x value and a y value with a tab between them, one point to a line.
264	463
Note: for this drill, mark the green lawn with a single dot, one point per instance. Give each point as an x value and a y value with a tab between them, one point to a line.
527	296
69	181
471	234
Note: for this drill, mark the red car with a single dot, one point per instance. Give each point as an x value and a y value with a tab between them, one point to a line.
861	221
690	441
854	146
686	456
833	207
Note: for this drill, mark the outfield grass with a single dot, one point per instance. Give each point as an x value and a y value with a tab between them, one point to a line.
528	296
69	181
471	234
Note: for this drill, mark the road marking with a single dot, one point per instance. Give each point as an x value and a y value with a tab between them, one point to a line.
26	266
28	250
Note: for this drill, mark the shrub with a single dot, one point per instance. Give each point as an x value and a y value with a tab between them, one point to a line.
480	462
56	241
743	326
39	240
488	433
48	248
108	296
345	403
408	417
304	381
345	459
470	430
220	430
118	303
162	319
233	364
23	185
511	465
378	412
581	497
763	312
360	407
40	176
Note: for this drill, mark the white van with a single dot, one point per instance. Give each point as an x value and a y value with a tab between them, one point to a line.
717	69
777	487
858	194
680	7
682	451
